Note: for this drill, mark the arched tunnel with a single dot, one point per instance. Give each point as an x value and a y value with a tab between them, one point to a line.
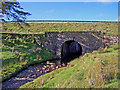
70	50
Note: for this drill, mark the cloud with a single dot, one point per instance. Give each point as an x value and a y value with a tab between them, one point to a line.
49	11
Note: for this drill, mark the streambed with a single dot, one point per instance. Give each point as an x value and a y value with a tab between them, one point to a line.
31	73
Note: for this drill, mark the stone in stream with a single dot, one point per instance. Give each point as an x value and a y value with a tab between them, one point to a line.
30	70
68	65
38	70
45	66
51	63
63	65
48	66
57	67
52	66
41	72
48	62
43	69
48	70
30	74
34	75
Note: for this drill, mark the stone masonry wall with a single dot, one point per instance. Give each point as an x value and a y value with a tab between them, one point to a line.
89	40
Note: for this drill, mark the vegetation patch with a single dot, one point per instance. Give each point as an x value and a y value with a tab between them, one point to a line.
19	51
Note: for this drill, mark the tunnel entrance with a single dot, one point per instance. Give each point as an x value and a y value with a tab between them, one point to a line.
70	50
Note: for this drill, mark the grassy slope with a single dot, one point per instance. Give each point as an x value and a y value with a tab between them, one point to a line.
110	28
94	70
23	54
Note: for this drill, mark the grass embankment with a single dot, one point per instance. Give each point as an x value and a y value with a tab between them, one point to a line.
98	69
19	51
109	28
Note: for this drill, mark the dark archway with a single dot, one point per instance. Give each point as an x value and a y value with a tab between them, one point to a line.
70	50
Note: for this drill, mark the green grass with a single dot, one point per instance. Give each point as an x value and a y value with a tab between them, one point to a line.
81	73
109	28
23	55
98	69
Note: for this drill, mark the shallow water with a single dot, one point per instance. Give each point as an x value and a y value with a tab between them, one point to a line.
29	74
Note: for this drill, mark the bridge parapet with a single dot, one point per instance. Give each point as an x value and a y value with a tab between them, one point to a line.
89	40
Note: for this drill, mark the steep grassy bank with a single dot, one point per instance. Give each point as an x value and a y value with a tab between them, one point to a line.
109	28
19	51
98	69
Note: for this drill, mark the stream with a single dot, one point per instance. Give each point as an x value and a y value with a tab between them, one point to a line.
31	73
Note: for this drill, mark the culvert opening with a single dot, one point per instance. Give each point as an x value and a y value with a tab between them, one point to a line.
70	50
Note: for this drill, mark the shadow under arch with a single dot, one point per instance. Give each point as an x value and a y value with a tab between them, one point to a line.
70	50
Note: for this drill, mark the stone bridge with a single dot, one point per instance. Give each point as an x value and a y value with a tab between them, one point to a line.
63	43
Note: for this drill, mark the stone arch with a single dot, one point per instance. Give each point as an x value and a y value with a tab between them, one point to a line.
70	49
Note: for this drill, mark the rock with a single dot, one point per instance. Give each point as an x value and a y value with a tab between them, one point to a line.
48	62
51	63
34	75
57	67
52	66
67	65
63	65
38	70
30	74
43	70
48	70
30	70
45	66
48	66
